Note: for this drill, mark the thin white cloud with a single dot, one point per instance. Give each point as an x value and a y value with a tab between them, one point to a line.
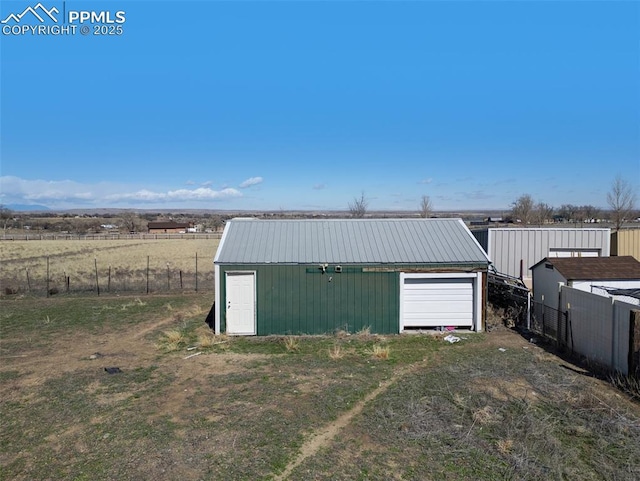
319	186
200	193
251	182
426	181
15	188
68	193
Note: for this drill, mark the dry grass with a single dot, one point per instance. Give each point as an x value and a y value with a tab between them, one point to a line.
364	332
174	336
172	340
628	384
135	303
207	339
505	446
77	259
291	343
380	352
341	333
485	416
435	420
336	352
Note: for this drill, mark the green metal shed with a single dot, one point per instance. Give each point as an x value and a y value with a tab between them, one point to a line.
317	276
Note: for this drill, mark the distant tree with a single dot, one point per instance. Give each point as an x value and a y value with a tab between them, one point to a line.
425	207
565	212
523	209
542	213
621	200
358	208
590	212
130	221
5	215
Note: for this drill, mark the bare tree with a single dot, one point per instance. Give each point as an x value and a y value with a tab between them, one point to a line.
358	208
425	207
567	212
523	209
5	215
590	212
621	200
130	221
542	213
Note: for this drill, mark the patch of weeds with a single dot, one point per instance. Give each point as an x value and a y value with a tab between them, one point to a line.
341	333
291	344
364	332
134	303
255	345
336	352
127	380
380	352
630	385
173	340
206	339
9	375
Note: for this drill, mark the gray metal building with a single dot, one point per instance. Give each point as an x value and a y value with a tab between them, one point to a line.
514	250
316	276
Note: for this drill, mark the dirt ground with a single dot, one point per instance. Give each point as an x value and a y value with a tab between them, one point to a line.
135	347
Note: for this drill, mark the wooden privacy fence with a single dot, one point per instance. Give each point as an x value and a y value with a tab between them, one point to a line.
603	330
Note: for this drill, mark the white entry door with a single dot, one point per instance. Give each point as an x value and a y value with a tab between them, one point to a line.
241	303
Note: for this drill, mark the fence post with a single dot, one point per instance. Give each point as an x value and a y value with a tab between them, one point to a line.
634	344
47	276
95	260
28	281
147	274
528	310
614	336
196	272
569	325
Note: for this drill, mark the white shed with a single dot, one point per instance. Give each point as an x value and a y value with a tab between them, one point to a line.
512	250
597	275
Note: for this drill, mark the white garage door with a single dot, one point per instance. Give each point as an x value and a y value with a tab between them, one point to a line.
434	302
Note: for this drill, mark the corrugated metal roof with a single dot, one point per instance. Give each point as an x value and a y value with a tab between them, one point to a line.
349	241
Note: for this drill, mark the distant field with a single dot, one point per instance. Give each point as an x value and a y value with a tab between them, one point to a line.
121	264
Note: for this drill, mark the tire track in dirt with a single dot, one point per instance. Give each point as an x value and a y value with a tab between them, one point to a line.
325	435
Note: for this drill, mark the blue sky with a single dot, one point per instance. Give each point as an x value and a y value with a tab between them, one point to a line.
304	105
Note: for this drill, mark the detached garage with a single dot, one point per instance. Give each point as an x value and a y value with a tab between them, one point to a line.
317	276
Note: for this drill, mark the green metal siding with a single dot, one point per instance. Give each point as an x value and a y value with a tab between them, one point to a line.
300	299
294	299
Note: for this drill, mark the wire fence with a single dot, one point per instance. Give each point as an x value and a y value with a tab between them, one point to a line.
549	322
106	236
48	281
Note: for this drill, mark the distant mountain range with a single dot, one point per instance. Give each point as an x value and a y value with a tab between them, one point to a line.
27	207
33	208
